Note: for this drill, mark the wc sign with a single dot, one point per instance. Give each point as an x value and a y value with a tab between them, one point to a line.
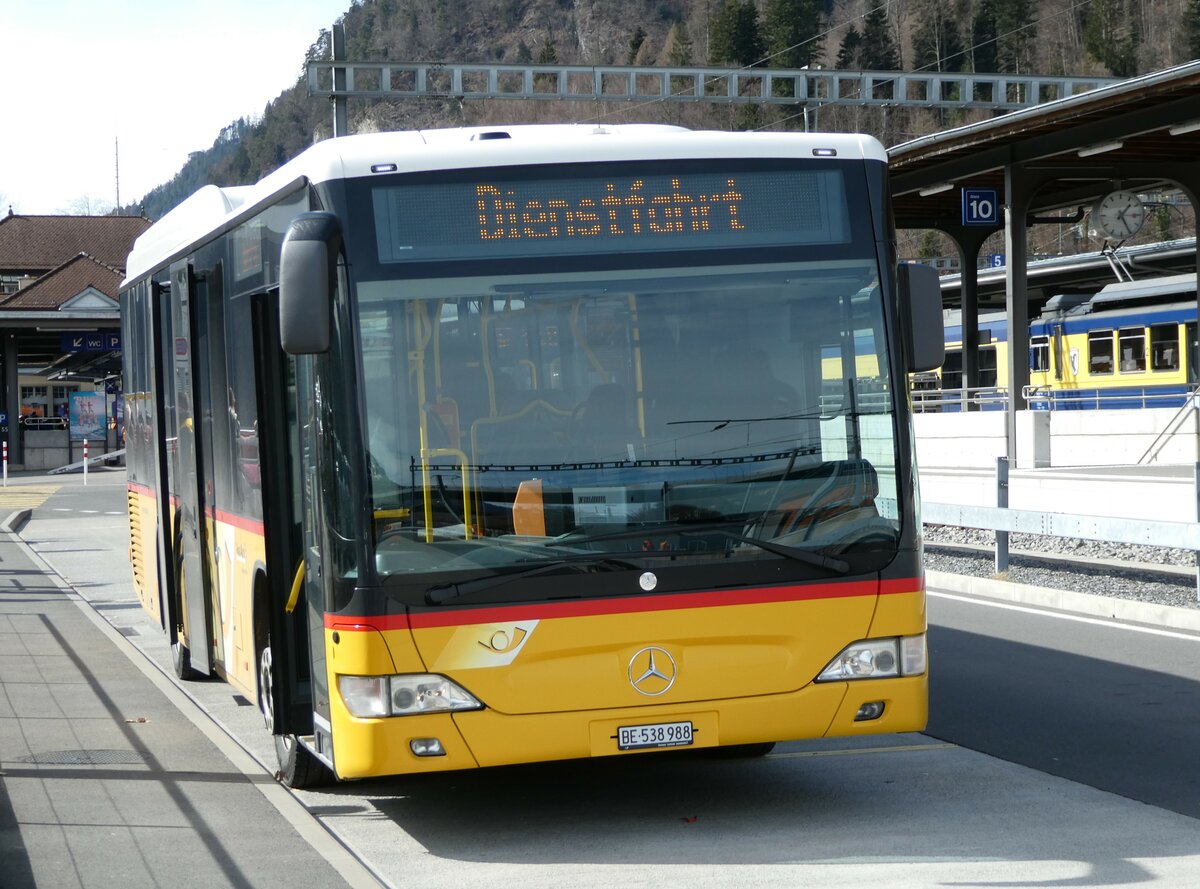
980	206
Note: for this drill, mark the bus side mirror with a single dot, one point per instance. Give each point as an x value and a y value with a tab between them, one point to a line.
307	280
921	303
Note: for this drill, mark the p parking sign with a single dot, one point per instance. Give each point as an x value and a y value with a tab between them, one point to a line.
980	206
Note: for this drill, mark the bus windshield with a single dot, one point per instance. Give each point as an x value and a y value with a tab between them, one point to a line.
583	422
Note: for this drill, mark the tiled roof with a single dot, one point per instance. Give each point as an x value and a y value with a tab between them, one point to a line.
36	244
64	283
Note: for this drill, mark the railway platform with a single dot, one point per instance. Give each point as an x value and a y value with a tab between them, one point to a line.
106	781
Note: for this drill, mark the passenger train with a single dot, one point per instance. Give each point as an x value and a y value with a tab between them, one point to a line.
1131	344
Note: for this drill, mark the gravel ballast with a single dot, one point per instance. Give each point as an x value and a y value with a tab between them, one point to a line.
1149	574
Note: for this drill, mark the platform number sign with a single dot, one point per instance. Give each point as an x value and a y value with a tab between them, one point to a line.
980	206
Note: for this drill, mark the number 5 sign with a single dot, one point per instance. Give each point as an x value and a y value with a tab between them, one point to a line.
980	206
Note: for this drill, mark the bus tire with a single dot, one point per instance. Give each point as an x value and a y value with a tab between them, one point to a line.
181	661
297	767
181	658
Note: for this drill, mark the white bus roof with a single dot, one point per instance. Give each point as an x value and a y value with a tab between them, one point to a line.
212	209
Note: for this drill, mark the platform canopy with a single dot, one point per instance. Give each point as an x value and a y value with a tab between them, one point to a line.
1051	163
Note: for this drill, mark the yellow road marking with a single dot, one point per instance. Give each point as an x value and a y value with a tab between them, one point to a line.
855	751
19	496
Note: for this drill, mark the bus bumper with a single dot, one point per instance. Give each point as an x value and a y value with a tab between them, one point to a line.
373	747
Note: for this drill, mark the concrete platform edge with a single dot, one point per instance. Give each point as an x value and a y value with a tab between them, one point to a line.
348	865
16	521
1166	616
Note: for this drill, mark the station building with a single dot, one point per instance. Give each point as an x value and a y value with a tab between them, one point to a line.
60	332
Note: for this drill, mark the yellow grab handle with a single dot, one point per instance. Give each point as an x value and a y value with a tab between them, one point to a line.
296	584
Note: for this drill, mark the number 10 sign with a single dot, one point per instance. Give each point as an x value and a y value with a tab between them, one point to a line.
980	206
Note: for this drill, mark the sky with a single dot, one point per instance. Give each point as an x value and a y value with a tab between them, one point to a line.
143	81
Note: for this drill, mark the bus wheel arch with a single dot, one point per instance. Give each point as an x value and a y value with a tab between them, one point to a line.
296	767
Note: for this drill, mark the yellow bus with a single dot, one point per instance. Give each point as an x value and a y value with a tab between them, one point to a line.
471	447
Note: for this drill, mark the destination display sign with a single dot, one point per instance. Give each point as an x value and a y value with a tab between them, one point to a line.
495	217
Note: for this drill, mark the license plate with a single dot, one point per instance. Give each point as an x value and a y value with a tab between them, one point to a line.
658	734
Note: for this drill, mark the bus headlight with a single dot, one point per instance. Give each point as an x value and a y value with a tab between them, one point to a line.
403	695
877	659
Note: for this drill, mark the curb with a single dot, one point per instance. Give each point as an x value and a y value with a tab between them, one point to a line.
1166	616
15	521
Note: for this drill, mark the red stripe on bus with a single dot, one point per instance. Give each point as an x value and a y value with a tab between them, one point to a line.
254	526
597	607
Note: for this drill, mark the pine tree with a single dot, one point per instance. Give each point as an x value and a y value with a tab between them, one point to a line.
937	43
677	52
792	32
545	83
736	39
1015	34
1112	35
849	57
1191	28
635	43
878	49
983	40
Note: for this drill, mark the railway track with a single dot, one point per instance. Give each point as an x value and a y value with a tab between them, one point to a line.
1079	566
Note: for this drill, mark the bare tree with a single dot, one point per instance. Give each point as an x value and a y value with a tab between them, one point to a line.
87	205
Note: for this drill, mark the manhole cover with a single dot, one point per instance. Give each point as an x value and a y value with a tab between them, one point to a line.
85	758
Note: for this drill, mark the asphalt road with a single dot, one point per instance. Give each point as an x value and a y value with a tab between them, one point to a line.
1116	707
1037	694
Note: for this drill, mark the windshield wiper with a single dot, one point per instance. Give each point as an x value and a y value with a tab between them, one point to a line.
442	593
788	552
698	529
642	531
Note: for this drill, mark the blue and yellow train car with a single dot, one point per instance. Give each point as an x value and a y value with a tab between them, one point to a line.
943	390
1132	344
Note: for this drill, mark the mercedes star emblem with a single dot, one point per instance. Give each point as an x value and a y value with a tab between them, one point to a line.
652	671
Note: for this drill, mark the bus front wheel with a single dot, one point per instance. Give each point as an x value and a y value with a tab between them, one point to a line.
181	661
298	768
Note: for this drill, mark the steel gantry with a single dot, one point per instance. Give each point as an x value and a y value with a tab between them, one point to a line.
629	83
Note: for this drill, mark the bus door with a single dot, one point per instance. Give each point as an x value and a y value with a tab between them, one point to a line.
191	569
163	430
297	656
312	509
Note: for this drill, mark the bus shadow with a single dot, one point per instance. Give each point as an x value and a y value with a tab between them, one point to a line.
901	801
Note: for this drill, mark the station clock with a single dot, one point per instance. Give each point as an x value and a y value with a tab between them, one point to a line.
1120	214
